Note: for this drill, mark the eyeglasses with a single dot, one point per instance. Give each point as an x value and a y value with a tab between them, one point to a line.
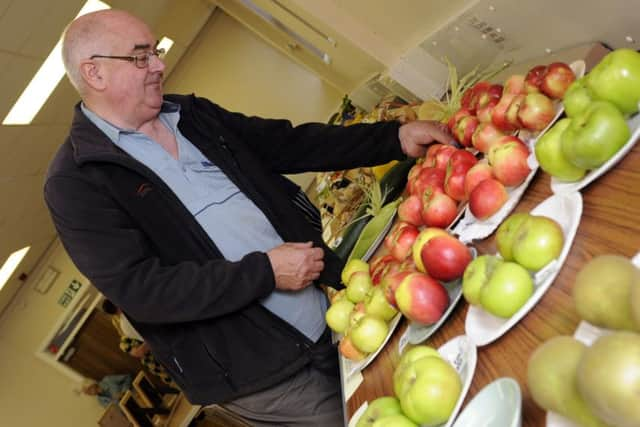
141	60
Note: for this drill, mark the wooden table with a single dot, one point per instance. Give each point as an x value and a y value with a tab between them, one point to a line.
610	224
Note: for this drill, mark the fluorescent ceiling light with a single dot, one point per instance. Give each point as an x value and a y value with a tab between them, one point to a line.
166	43
11	264
45	80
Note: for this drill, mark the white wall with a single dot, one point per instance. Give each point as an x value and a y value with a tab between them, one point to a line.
232	66
34	393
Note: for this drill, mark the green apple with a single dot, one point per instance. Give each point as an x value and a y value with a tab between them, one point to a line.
396	420
422	239
507	290
616	78
549	154
337	316
379	408
431	392
376	304
577	97
505	236
351	267
359	285
595	135
369	333
400	374
538	241
476	276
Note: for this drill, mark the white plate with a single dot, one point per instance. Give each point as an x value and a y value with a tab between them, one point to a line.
482	327
529	137
471	228
463	356
587	334
417	333
561	187
351	366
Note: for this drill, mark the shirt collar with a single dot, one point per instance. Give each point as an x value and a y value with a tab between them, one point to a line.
169	114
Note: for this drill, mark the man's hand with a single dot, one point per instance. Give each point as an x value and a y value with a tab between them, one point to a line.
415	136
295	265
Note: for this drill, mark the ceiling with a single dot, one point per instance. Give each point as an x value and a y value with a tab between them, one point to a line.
370	37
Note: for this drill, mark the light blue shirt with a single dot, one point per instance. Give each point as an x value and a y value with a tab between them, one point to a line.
231	219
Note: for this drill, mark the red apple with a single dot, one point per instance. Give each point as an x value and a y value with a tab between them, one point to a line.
445	258
508	158
443	155
536	111
439	210
515	85
410	210
467	96
430	156
413	174
499	113
425	235
390	283
464	130
407	265
485	95
400	240
462	157
487	198
430	179
422	298
484	113
349	351
379	266
556	79
533	79
484	136
453	120
513	110
478	173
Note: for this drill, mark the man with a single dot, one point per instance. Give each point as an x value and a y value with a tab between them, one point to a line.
177	211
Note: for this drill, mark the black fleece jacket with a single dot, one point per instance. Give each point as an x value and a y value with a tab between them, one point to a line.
131	236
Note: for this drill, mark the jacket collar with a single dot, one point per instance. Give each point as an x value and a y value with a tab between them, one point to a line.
90	143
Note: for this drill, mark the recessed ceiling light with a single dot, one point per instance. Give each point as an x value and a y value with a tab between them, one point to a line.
165	43
11	264
45	80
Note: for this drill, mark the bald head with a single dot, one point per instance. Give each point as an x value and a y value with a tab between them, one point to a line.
91	34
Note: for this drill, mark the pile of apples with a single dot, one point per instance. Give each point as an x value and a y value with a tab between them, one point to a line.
360	312
501	285
490	114
420	261
596	384
436	187
426	389
595	129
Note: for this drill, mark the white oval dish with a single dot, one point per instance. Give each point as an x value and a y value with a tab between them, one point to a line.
463	356
498	404
351	367
562	187
566	209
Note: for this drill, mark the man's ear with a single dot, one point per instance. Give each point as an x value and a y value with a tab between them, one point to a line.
92	75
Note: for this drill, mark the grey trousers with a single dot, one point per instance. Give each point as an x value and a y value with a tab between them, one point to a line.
310	398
